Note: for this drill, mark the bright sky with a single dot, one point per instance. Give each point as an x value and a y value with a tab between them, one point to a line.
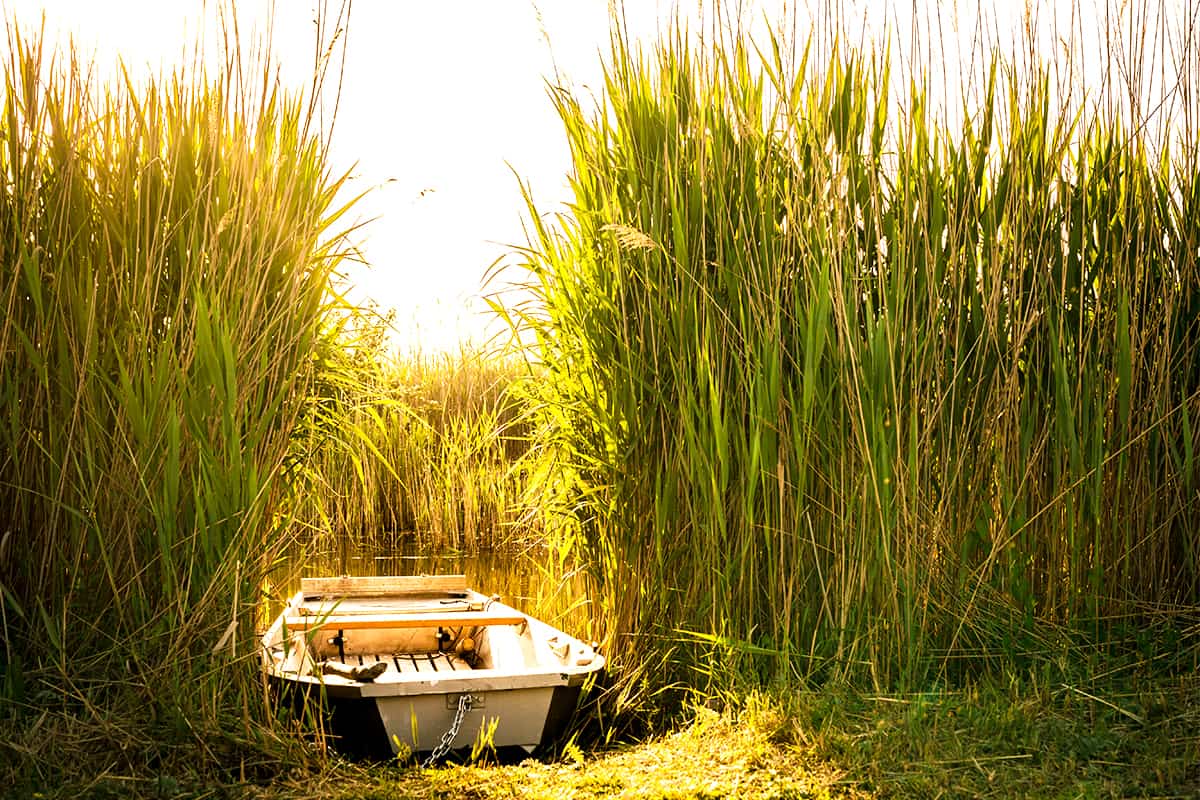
439	100
443	101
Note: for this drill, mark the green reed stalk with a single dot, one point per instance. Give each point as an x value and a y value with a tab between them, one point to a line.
838	389
425	445
169	253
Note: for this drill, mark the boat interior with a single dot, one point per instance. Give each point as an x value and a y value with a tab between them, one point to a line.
395	630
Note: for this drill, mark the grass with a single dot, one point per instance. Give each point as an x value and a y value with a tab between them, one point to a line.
171	251
1045	735
431	448
841	390
871	430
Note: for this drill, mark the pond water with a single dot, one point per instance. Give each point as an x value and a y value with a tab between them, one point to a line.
533	579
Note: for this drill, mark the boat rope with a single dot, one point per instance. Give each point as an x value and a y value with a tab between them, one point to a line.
443	747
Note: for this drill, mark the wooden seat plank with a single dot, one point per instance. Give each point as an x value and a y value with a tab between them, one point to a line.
346	586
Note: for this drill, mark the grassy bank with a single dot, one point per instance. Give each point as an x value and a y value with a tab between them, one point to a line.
1019	740
841	389
1032	736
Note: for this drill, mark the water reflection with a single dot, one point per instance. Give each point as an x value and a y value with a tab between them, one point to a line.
533	580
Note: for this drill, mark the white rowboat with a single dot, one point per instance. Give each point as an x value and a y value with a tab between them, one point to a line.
425	664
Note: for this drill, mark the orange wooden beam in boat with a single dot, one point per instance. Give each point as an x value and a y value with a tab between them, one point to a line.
442	620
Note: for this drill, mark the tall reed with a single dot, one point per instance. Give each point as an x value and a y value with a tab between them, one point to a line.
838	388
425	445
168	255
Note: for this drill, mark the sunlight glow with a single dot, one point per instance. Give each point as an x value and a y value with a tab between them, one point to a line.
443	106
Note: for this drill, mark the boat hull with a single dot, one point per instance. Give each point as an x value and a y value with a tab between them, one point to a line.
380	728
523	684
508	718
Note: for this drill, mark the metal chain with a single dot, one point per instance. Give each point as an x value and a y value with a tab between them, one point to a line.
443	747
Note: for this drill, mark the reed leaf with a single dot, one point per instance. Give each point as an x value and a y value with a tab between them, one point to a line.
838	388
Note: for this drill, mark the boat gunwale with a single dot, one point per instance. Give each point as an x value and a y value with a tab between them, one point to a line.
475	682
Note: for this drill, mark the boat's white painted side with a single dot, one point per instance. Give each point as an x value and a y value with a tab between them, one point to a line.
419	721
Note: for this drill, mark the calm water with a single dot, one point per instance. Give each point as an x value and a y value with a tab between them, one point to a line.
530	580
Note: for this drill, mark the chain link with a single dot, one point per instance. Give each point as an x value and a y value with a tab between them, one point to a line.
443	747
